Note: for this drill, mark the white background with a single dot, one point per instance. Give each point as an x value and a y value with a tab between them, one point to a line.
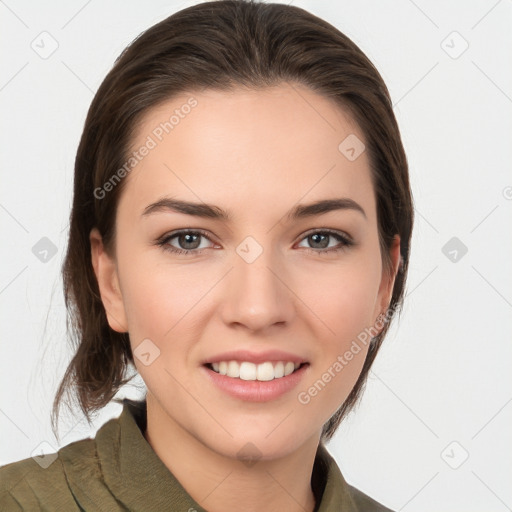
444	374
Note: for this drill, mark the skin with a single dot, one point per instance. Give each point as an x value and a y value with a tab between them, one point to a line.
255	153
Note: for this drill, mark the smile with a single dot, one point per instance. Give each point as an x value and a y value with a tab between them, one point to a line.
251	382
246	370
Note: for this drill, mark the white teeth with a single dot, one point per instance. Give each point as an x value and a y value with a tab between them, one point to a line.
233	369
288	368
265	371
246	371
251	371
279	370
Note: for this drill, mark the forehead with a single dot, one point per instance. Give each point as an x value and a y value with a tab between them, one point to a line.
243	147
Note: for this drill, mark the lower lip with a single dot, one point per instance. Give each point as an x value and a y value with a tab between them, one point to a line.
255	390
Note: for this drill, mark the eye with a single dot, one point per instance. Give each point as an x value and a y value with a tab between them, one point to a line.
320	241
195	241
186	241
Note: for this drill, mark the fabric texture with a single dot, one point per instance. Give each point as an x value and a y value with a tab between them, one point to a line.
119	471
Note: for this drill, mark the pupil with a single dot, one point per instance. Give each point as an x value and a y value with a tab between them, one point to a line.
315	240
189	239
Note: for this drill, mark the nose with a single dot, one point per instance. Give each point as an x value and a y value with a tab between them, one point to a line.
256	293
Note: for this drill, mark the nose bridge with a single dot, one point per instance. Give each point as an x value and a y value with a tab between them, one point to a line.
255	296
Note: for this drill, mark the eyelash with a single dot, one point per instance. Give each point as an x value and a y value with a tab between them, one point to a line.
344	239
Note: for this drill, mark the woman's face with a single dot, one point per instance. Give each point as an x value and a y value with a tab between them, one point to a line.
267	275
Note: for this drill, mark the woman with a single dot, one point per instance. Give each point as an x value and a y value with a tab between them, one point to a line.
240	235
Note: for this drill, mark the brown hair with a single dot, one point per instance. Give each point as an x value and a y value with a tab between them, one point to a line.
219	45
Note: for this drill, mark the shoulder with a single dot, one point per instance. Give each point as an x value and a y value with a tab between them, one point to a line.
364	503
36	482
69	479
338	494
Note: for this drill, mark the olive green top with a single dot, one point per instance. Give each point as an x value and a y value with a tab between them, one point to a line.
118	470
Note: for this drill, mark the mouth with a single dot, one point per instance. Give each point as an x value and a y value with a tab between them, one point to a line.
252	382
262	372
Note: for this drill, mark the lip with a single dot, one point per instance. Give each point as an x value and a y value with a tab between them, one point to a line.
273	356
255	391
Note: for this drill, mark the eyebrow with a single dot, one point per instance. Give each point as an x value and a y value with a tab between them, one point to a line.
214	212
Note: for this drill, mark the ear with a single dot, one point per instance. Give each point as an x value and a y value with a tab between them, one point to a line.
388	278
108	283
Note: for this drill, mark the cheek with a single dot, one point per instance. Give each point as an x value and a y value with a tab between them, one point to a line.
344	298
344	301
157	299
146	304
164	302
159	305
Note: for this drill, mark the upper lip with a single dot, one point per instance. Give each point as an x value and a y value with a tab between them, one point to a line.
255	357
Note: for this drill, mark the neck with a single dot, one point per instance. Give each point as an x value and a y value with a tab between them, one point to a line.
218	482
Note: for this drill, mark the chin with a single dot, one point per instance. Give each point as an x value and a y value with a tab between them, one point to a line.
249	445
